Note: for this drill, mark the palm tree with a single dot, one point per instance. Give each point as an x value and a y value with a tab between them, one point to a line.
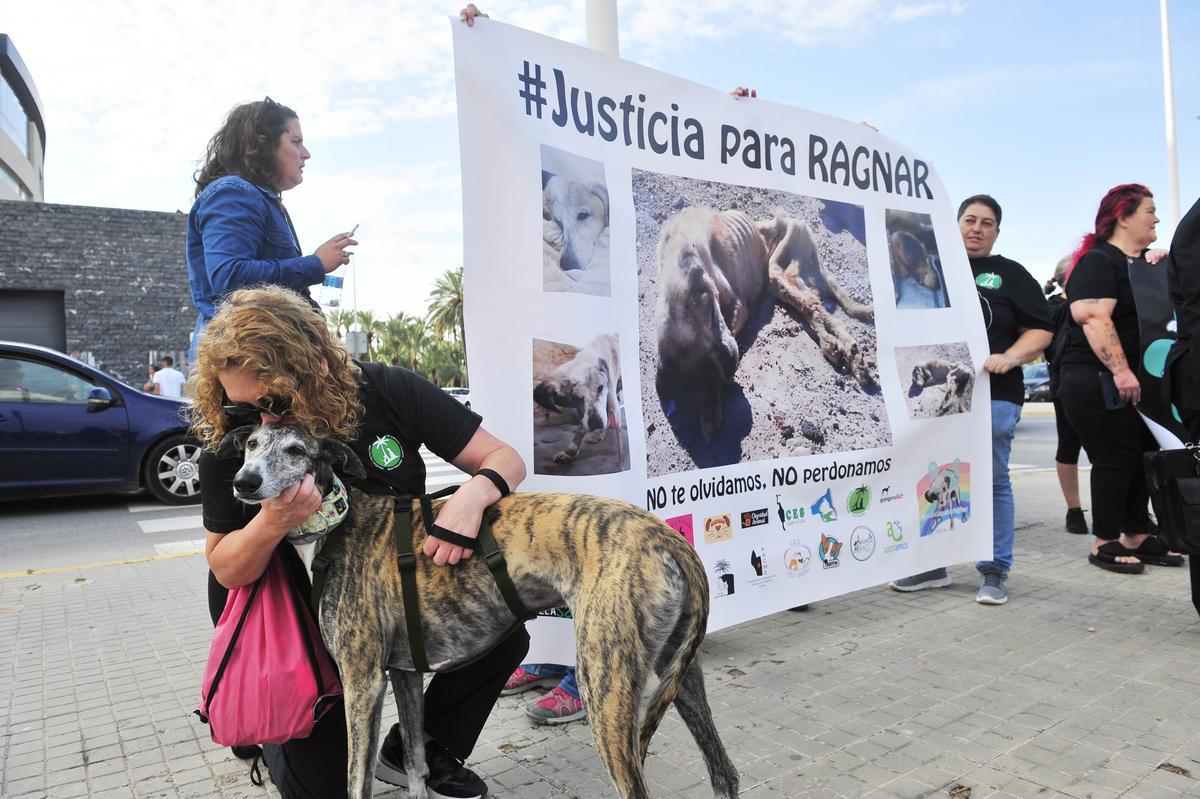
416	342
370	326
446	308
340	320
392	341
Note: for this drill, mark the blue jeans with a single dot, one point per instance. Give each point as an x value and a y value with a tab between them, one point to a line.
568	683
1005	416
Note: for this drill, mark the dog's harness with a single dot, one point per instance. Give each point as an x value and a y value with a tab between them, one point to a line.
406	562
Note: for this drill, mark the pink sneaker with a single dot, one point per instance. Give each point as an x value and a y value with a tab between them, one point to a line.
522	680
556	707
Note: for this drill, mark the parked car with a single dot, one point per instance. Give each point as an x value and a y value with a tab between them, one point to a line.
66	428
463	395
1037	382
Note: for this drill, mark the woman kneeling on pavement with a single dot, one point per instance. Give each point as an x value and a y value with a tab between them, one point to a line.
268	357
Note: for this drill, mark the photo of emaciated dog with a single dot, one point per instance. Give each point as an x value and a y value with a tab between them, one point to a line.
940	379
916	266
757	325
579	423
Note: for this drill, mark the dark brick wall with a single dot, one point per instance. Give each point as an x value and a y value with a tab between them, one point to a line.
122	273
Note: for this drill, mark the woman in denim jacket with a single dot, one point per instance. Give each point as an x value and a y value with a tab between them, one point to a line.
239	233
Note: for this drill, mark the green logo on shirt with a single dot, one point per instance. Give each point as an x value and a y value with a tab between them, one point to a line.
386	452
989	280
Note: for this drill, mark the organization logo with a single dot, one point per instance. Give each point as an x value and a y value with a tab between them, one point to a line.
829	551
858	501
683	526
862	543
386	452
989	280
823	507
718	529
754	518
787	516
895	534
797	558
724	577
886	495
757	563
944	496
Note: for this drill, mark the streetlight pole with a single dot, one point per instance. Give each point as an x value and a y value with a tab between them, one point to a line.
602	26
1169	109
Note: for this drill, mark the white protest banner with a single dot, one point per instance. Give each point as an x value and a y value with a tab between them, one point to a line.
757	322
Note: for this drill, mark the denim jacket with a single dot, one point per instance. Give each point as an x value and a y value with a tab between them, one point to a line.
239	235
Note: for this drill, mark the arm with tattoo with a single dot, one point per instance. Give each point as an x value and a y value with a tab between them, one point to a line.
1095	317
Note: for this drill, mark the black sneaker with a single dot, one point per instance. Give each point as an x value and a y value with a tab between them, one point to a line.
1076	523
448	777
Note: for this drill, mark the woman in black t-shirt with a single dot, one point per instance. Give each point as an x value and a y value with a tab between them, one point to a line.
268	357
1099	386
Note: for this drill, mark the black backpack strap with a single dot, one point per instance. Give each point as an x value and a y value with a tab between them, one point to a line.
237	631
406	562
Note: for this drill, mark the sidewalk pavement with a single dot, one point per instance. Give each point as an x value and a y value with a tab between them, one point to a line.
1083	685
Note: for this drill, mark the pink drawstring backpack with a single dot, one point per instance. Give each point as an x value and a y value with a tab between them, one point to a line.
275	677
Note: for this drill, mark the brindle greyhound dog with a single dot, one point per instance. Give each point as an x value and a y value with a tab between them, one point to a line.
636	588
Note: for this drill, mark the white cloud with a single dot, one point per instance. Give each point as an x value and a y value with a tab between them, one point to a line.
906	12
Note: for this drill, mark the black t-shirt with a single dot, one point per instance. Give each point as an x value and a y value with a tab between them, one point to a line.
1183	276
402	412
1103	273
1011	300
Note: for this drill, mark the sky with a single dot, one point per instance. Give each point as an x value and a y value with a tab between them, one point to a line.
1044	105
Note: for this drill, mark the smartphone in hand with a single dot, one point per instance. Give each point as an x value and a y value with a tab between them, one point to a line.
1108	389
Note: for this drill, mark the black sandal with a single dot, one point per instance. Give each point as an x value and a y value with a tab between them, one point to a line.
1156	553
1106	558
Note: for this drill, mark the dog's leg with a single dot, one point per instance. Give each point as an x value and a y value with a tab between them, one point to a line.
839	349
692	704
410	703
853	307
576	440
363	691
611	673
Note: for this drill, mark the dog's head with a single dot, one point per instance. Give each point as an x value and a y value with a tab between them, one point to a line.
279	455
921	377
580	386
581	212
697	353
910	259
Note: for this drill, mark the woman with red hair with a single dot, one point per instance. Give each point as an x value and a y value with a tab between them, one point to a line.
1099	386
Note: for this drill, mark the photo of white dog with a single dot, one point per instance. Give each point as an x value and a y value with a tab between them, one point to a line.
575	209
579	425
940	379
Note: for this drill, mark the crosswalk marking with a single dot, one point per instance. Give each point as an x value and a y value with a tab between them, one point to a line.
179	547
172	523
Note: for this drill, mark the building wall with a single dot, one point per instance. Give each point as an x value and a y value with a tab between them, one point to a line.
24	164
122	273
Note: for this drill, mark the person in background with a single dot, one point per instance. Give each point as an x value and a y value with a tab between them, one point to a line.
1099	386
1066	457
168	381
148	386
1018	330
1183	365
239	234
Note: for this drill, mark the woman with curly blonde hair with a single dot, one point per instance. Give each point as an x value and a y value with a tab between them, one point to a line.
268	358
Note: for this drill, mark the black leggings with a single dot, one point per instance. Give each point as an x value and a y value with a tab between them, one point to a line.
457	705
1068	440
1115	442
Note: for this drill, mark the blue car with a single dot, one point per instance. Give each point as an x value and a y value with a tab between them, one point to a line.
66	428
1037	382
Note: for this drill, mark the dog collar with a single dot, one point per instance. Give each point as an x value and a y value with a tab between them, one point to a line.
331	513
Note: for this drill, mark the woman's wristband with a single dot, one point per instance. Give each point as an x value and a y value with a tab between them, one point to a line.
497	481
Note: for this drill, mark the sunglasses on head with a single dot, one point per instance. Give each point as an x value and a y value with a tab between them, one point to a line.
272	406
